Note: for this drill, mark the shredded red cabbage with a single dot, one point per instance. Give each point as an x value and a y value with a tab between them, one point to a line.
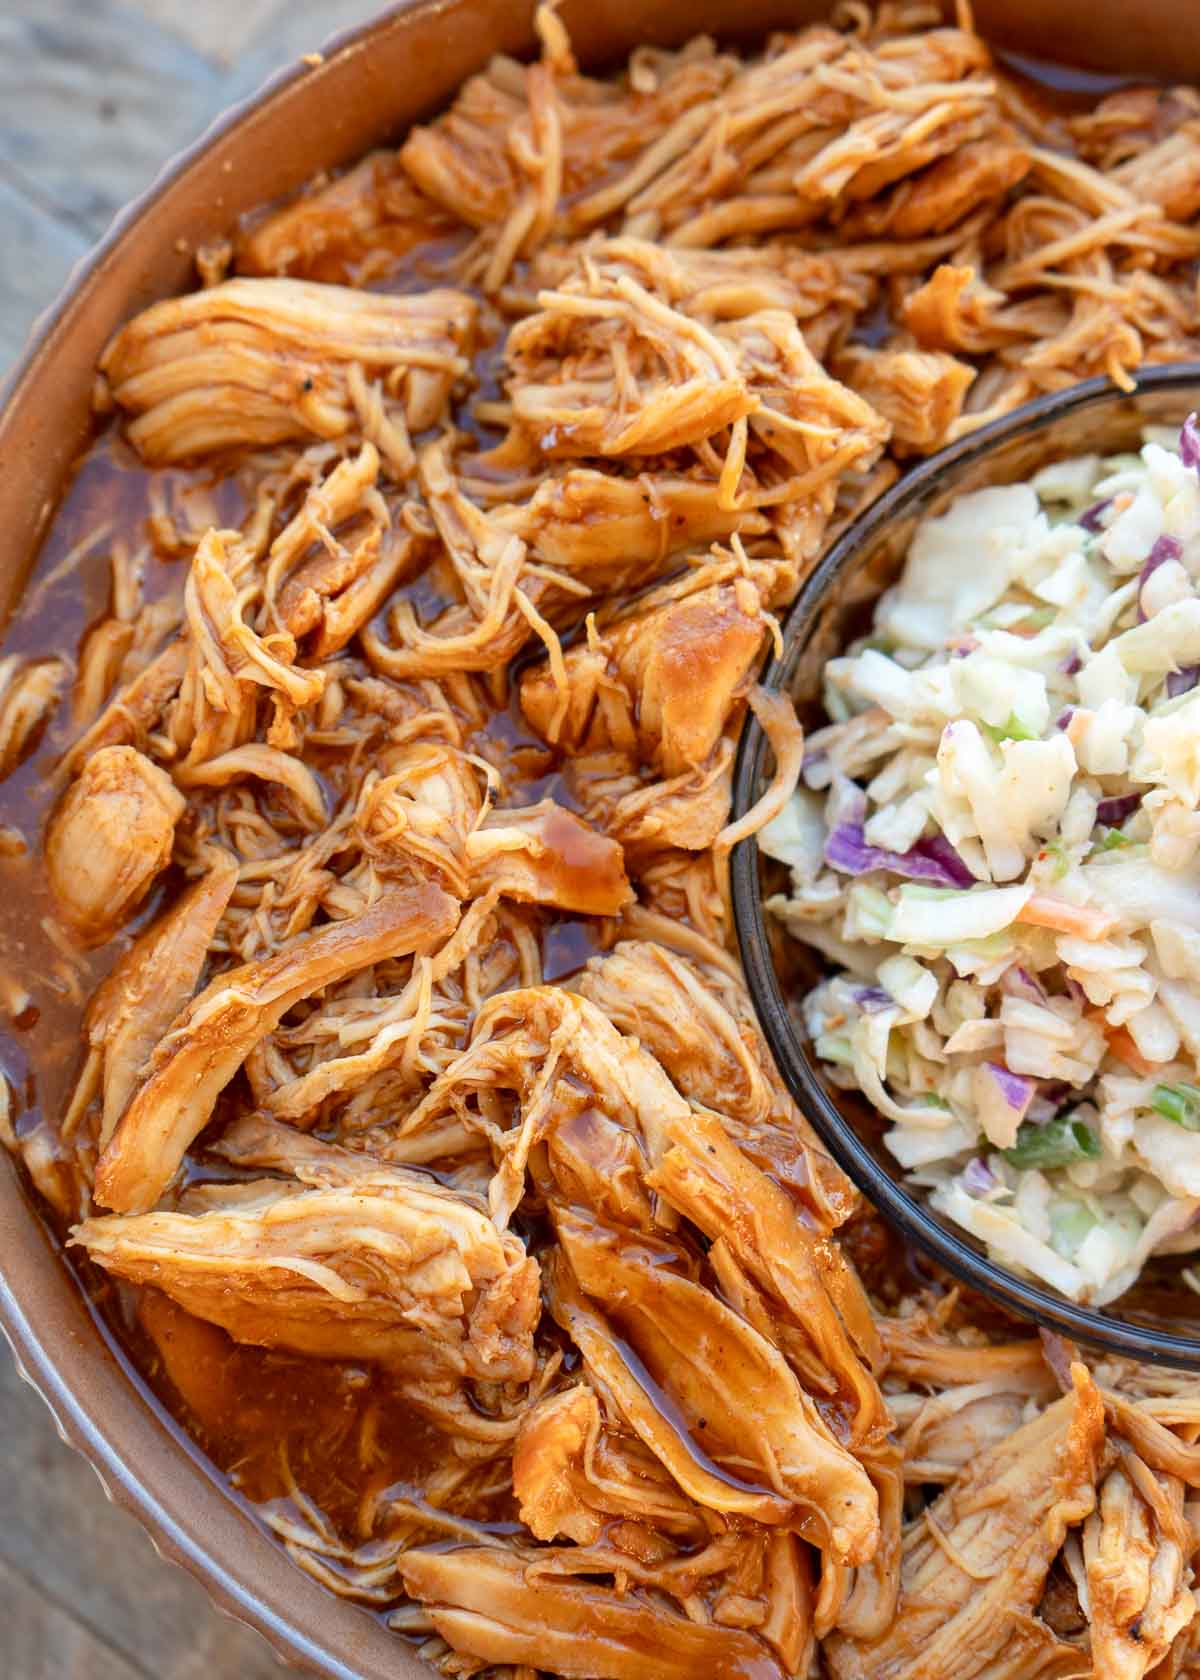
873	999
847	803
939	850
1182	682
1052	1094
933	860
1112	812
1064	718
1189	443
1018	982
1090	518
1165	548
1018	1090
978	1178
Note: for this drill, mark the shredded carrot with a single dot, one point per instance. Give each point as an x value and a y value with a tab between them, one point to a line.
1080	718
1044	910
1121	1045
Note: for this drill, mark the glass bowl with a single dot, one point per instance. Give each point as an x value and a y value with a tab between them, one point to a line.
1159	1318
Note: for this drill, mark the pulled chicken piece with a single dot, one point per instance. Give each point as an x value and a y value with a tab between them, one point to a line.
639	353
132	1009
613	533
943	1431
341	553
498	1605
417	811
613	1372
919	392
562	1059
974	1564
702	1173
698	1023
108	838
231	652
29	692
1136	1545
920	1352
947	192
544	854
358	1059
730	1387
425	818
356	1260
499	591
137	708
549	1048
321	235
210	1039
253	362
519	138
574	1476
660	686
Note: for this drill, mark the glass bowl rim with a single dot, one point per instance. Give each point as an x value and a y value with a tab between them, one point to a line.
898	1205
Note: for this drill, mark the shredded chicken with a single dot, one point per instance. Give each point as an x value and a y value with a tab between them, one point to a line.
1134	1546
131	1012
505	1608
572	1475
112	833
652	701
265	361
28	695
389	1033
973	1567
613	533
698	1023
209	1040
545	854
354	1261
733	1389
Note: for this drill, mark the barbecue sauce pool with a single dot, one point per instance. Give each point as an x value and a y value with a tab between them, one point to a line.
270	1422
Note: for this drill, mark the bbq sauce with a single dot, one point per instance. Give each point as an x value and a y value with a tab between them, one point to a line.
272	1421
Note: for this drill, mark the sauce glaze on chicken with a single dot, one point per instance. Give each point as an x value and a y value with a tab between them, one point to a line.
368	731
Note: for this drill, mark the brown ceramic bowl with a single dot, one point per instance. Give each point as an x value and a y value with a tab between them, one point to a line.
363	90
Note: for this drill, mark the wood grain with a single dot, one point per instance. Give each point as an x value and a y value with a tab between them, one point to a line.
220	29
42	1641
81	1590
96	95
94	98
37	253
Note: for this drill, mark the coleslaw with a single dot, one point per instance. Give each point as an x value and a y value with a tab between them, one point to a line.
995	846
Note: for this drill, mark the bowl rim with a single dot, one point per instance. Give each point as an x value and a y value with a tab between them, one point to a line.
938	1239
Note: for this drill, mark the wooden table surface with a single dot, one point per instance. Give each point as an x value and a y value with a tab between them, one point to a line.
95	96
